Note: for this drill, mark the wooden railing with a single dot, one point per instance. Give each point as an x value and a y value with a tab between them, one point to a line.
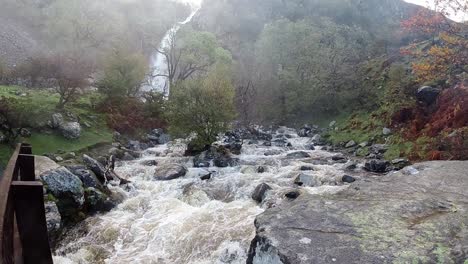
23	227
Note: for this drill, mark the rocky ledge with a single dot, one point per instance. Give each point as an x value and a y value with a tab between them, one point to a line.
417	215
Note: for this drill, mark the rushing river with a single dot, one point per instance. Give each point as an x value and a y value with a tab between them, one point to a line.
188	220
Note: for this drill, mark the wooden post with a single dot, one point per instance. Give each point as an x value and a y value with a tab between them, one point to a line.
28	201
26	149
26	167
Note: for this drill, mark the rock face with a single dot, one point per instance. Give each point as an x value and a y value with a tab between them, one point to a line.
170	172
374	221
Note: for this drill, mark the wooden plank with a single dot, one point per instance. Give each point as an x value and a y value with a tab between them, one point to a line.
32	227
26	167
26	149
7	211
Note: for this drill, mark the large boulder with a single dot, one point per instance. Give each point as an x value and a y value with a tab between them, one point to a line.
71	130
87	177
400	218
66	187
427	94
43	164
169	172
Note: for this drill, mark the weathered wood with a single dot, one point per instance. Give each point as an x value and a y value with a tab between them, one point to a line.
23	227
7	211
30	216
26	165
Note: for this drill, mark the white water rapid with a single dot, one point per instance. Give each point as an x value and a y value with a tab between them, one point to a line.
159	65
188	220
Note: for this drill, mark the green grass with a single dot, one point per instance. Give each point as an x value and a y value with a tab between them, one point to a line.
37	108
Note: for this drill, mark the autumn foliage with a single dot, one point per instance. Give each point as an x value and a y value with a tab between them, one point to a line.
443	54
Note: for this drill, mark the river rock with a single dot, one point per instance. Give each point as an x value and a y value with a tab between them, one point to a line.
378	166
71	130
298	155
96	167
53	221
66	187
97	201
348	179
260	191
272	152
376	221
169	172
309	180
87	177
149	163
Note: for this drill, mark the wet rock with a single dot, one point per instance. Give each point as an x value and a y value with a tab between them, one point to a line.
338	157
427	94
310	147
202	160
348	179
206	177
157	136
53	221
127	157
373	223
298	155
134	145
223	161
306	168
292	195
307	180
351	166
317	140
67	188
149	163
272	152
267	144
169	172
97	201
400	163
280	142
87	177
71	130
117	152
379	166
261	169
260	191
96	167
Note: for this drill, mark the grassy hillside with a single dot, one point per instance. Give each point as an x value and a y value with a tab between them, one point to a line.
38	106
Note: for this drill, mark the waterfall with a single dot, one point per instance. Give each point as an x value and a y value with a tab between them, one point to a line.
159	64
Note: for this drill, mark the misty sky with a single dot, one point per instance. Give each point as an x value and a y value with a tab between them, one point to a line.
426	3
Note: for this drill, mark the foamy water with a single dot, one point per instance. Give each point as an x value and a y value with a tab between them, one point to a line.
188	220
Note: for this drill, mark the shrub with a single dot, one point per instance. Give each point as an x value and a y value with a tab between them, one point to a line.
203	106
123	75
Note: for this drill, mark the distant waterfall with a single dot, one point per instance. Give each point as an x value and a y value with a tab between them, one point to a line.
159	65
